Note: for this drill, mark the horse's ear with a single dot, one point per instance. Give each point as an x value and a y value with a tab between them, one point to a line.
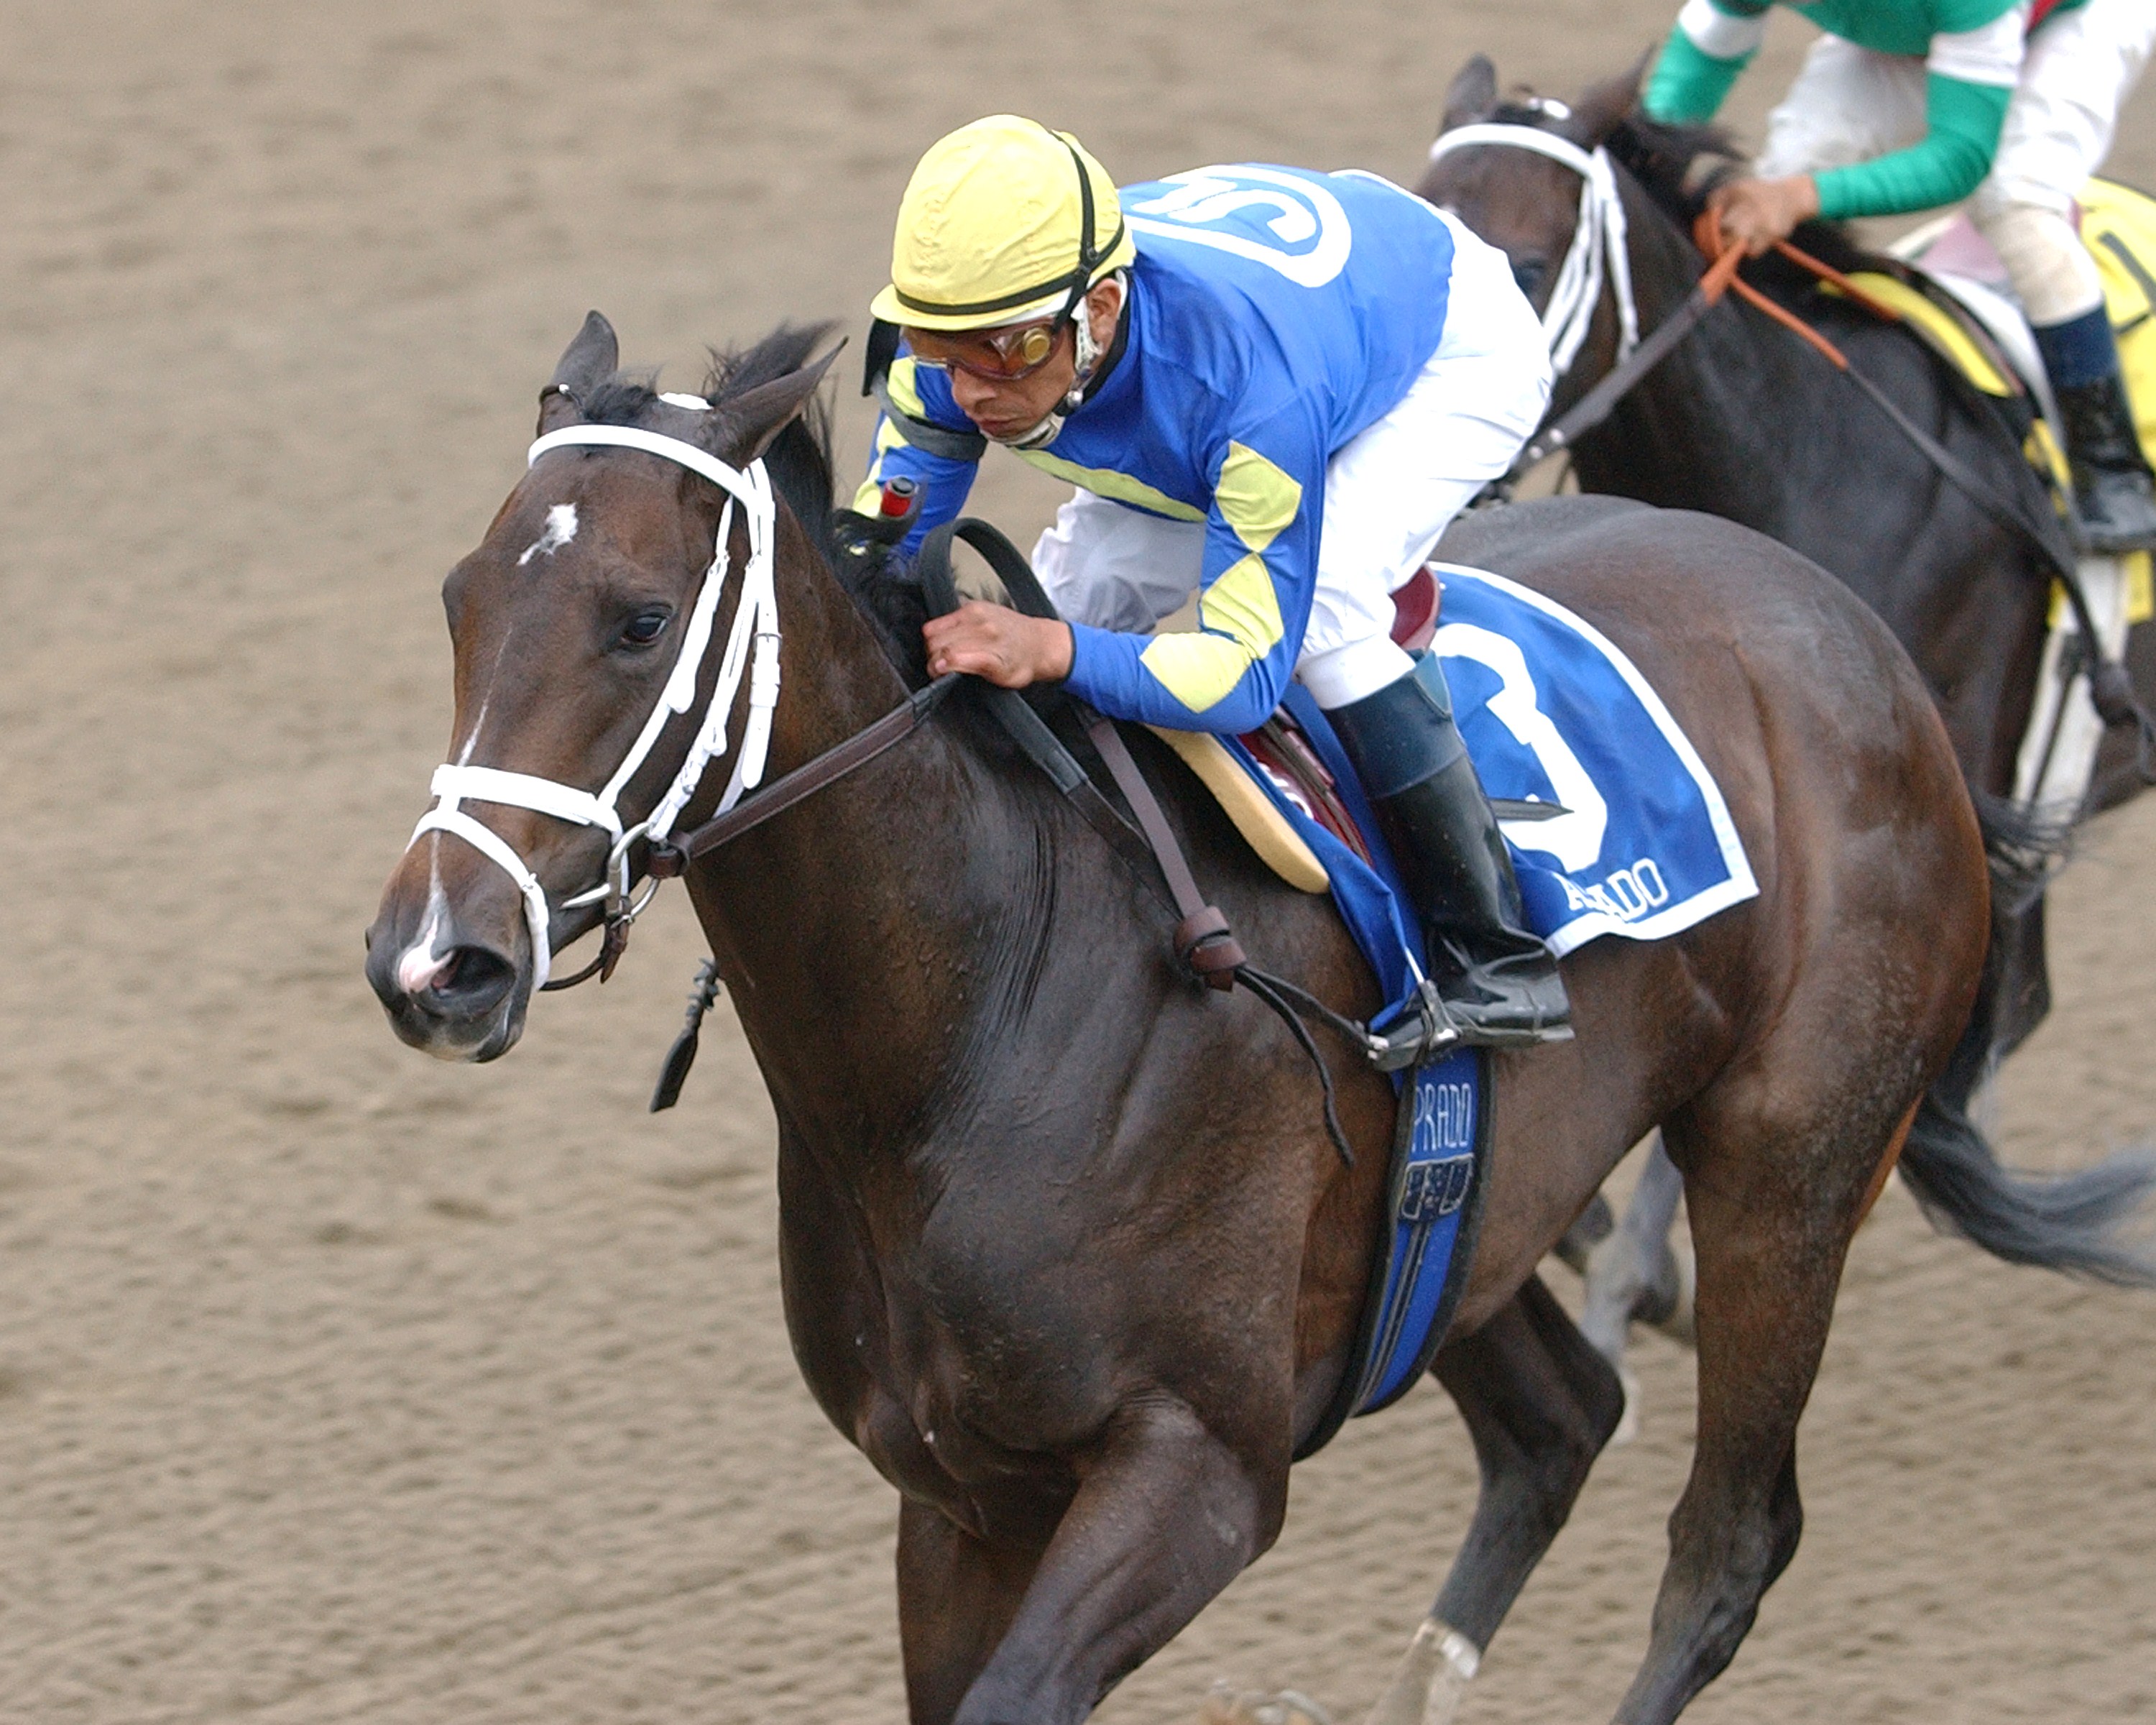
1473	95
752	418
586	363
1601	105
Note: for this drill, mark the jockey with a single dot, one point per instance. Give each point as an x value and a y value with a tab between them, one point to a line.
1907	104
1277	402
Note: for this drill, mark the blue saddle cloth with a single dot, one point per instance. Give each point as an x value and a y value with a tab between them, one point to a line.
1640	843
1641	846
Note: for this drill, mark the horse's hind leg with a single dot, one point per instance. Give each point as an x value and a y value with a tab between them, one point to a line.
1773	1209
1634	1274
1540	1404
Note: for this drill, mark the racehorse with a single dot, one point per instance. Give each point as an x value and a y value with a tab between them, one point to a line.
1066	1248
1744	421
1740	420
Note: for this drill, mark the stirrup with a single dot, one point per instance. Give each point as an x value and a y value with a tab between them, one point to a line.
1425	1030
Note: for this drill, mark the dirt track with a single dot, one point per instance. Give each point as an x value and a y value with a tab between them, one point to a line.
336	1385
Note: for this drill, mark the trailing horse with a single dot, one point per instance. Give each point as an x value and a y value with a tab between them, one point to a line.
1066	1248
1743	420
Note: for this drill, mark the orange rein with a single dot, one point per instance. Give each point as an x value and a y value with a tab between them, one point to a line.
1707	235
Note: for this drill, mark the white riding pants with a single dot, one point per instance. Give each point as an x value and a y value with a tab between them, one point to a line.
1389	492
1849	104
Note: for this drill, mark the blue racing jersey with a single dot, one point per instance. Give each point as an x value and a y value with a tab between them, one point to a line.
1274	313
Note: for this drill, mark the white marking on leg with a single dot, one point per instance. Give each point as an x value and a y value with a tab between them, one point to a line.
560	530
1427	1688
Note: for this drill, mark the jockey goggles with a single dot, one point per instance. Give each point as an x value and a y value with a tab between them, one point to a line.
1004	223
997	356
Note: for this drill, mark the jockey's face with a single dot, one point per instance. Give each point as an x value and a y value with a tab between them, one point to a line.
1006	406
1010	407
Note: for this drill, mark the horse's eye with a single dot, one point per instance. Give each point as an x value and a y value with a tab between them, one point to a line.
1529	272
645	627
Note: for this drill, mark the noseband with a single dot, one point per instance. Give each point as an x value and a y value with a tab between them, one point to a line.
755	625
1599	235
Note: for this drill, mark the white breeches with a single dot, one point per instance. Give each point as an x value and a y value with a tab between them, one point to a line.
1389	492
1848	104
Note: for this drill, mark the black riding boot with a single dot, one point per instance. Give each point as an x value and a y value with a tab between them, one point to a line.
2114	494
1507	991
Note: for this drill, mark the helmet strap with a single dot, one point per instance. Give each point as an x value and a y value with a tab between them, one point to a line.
1088	351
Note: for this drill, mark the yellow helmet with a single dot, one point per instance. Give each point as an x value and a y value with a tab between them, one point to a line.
1003	220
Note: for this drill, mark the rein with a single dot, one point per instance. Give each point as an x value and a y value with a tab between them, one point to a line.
1203	938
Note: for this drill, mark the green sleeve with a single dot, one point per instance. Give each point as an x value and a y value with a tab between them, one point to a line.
1945	167
1689	84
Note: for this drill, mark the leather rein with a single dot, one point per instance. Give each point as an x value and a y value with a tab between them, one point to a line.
1203	939
1145	842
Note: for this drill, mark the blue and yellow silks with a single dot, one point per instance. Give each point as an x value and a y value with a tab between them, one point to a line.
1274	314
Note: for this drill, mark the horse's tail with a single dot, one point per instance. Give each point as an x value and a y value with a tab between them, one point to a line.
2065	1222
2024	846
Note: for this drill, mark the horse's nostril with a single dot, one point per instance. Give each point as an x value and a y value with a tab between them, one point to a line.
473	980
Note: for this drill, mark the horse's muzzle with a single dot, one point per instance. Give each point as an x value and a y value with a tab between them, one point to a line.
450	995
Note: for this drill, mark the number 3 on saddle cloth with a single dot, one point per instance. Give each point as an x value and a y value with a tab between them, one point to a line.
1616	830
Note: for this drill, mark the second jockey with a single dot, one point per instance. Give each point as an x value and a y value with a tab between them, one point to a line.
1273	389
1907	104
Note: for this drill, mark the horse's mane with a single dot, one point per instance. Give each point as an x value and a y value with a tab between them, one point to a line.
1678	166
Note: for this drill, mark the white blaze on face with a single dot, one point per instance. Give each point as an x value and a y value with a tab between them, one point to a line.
560	528
419	969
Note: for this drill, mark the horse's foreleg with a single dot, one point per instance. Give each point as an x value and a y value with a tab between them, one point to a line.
1166	1515
1539	1404
956	1596
1772	1213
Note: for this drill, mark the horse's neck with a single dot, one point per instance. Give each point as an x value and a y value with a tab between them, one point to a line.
1749	424
1715	425
866	933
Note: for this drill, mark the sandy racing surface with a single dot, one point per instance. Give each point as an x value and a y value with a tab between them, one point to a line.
337	1385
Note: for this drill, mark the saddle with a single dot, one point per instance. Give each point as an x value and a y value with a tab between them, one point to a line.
1962	274
1953	284
1287	758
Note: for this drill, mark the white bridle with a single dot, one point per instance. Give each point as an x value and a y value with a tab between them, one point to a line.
756	622
1599	235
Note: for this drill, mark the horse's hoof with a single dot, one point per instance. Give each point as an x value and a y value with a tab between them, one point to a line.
1227	1705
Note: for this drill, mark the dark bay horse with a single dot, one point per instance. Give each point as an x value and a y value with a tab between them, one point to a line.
1066	1249
1745	421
